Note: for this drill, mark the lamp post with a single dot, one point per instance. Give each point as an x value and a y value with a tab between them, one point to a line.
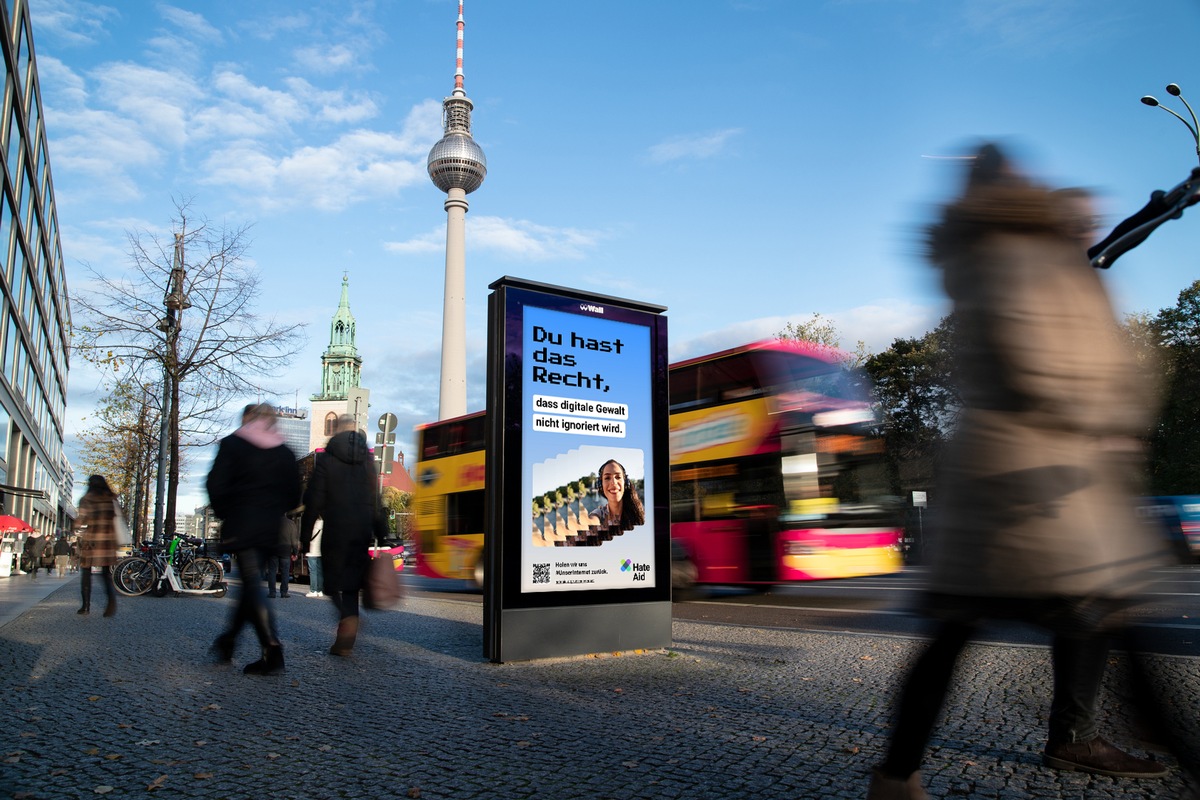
1193	126
174	301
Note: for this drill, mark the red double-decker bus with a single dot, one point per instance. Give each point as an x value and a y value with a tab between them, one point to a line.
777	474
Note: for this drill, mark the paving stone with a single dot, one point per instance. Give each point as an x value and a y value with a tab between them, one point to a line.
725	712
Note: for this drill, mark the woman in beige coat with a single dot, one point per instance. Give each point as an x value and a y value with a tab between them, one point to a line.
1037	488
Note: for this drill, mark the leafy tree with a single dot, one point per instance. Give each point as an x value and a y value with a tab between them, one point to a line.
122	444
823	332
397	503
917	401
1174	456
218	347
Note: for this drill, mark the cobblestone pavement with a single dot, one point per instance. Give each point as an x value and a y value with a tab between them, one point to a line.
122	706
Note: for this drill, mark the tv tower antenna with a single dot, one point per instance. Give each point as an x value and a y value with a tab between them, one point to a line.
457	167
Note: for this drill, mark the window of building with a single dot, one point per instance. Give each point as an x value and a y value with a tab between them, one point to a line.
14	145
330	423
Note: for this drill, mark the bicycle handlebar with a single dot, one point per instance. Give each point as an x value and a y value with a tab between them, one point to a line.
1135	229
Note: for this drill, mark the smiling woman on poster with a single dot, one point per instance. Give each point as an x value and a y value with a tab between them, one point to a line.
623	508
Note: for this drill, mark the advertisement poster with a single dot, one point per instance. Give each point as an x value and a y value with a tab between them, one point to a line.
587	444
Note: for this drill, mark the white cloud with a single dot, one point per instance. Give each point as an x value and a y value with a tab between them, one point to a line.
876	324
512	239
75	23
693	147
191	24
326	59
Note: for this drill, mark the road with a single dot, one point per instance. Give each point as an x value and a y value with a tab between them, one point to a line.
884	605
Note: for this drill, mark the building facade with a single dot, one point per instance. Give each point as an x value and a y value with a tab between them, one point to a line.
35	317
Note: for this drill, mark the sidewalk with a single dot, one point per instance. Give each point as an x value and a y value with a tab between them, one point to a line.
121	706
19	593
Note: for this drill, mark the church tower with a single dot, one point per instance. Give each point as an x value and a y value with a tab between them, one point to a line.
341	374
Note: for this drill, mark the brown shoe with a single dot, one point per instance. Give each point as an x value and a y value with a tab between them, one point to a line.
884	787
1100	758
347	632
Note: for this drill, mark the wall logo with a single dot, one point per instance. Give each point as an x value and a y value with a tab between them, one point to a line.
639	570
592	308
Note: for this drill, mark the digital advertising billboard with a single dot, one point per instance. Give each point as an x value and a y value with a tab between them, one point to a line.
577	455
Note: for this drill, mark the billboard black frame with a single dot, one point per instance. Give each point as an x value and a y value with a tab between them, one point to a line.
610	619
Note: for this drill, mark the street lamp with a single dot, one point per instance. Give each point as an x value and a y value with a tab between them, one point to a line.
174	301
1193	126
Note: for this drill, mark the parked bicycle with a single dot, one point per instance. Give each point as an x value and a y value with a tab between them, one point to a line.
178	567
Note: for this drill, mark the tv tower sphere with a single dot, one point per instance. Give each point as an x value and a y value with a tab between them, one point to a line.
456	162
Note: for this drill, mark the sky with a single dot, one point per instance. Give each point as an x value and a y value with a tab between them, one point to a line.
744	163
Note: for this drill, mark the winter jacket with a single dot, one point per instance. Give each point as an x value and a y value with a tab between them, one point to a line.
1038	484
344	492
253	482
98	538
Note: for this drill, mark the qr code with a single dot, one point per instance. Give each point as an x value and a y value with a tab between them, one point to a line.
541	573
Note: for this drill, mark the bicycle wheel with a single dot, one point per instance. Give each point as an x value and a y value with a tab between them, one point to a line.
201	573
135	576
117	571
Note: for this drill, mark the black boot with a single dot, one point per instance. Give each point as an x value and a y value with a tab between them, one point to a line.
222	648
270	663
85	587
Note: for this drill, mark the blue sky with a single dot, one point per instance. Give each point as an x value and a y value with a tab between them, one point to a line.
744	163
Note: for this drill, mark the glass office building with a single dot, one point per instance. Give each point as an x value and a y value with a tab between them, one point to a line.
35	317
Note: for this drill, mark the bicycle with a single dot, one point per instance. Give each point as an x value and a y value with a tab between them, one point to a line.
155	571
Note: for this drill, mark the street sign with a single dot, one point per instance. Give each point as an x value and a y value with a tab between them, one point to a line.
387	423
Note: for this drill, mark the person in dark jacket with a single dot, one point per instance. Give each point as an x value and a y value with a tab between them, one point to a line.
253	483
344	493
281	560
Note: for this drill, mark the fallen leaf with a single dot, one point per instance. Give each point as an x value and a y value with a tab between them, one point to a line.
200	776
200	742
852	750
92	751
28	735
148	742
414	792
758	738
93	699
113	756
102	789
272	756
210	707
124	725
156	783
868	658
325	748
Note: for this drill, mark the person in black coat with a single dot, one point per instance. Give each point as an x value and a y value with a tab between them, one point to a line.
344	493
253	482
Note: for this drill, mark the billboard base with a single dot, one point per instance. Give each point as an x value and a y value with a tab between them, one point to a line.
555	632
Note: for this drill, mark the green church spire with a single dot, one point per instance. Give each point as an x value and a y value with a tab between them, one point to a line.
341	365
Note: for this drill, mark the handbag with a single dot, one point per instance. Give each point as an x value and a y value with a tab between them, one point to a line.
120	529
382	589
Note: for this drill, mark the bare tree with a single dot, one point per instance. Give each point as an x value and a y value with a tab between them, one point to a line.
184	311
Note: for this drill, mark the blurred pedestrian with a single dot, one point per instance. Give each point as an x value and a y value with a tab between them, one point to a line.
1038	482
253	482
62	555
33	552
344	493
316	571
97	541
280	561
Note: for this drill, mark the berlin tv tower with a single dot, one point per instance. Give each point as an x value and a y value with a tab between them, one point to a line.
457	167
